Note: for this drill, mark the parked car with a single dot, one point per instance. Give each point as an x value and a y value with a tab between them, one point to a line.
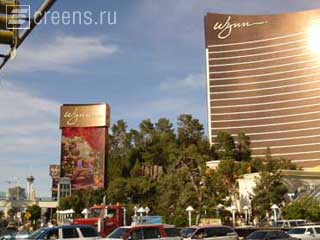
7	237
209	232
12	225
311	232
290	223
22	234
269	235
8	234
66	232
138	232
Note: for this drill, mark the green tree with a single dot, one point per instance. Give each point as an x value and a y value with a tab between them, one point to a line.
188	181
280	163
172	200
35	212
269	187
230	171
119	137
269	190
165	129
256	164
260	164
166	169
243	151
157	144
268	154
194	162
117	190
190	130
12	211
306	208
75	202
194	152
176	194
165	144
119	159
225	146
146	131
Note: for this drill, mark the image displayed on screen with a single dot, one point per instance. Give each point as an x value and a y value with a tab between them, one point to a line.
54	171
83	157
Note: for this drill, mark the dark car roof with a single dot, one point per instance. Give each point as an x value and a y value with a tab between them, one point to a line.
67	226
45	230
270	230
209	226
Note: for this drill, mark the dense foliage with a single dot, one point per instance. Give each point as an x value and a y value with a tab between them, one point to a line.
11	212
34	211
165	169
306	208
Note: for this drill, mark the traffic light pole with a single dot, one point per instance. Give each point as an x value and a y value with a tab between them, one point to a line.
40	13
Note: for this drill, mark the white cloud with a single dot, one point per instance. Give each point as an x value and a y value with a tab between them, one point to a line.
28	123
61	54
29	136
191	82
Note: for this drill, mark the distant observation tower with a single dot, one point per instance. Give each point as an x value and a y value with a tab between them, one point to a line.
30	192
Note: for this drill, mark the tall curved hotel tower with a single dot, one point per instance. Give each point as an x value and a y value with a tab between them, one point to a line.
263	79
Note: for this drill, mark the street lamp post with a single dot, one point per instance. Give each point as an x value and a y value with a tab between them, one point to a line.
189	209
124	216
71	212
218	207
141	211
85	212
246	210
205	210
233	210
274	208
135	208
147	210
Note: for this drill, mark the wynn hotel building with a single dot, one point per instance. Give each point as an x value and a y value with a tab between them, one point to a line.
263	79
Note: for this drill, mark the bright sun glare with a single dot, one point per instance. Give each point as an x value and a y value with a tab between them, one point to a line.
314	38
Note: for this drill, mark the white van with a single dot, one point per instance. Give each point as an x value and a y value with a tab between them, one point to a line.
289	223
310	232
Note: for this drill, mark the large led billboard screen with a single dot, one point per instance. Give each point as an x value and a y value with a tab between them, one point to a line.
84	145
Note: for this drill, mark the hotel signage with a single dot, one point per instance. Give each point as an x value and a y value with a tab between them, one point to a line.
226	27
85	115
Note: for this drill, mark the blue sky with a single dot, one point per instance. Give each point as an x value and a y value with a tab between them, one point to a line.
150	64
